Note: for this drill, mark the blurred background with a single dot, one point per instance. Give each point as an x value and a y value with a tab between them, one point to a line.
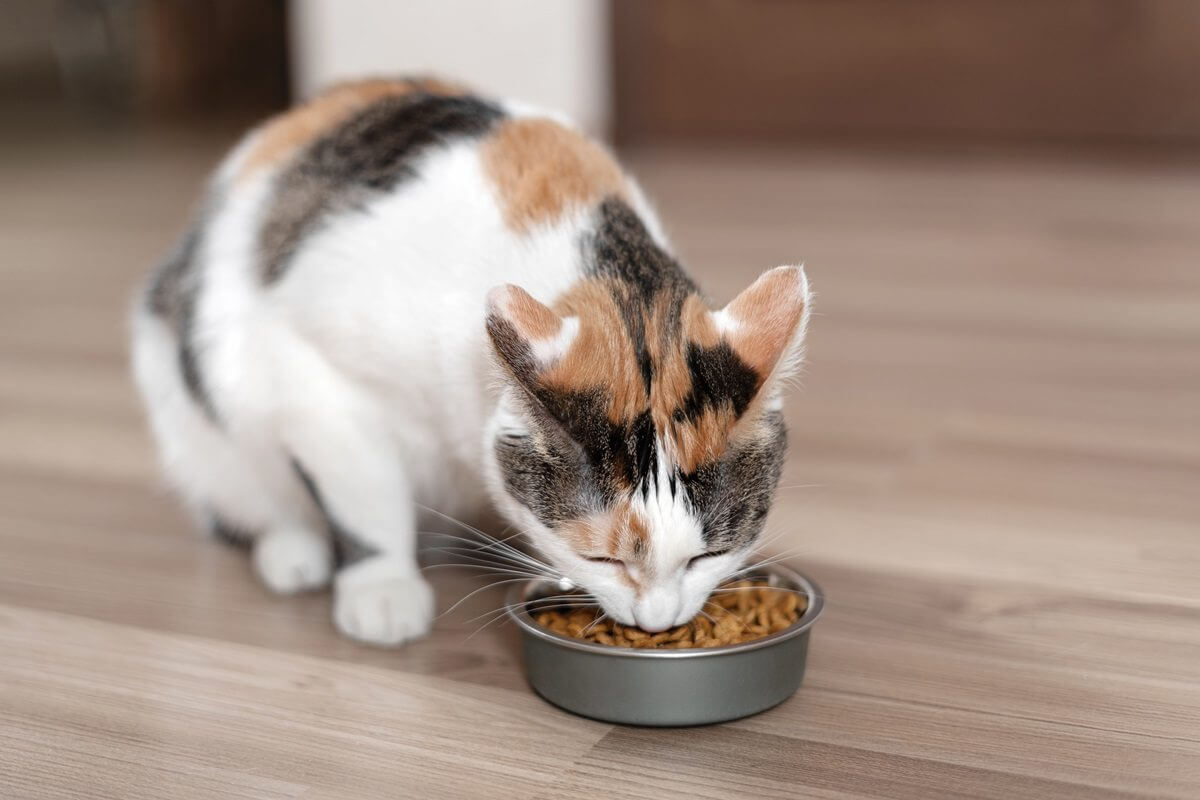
1070	72
995	448
997	201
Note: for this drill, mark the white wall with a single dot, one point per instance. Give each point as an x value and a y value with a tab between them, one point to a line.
552	53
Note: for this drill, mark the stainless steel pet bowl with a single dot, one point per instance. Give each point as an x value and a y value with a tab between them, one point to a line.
666	687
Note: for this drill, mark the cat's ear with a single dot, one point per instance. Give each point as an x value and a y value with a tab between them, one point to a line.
528	337
765	324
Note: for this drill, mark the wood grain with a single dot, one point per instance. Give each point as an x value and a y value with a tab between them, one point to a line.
994	472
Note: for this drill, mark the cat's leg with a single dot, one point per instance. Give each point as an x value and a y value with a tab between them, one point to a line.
230	490
350	465
293	558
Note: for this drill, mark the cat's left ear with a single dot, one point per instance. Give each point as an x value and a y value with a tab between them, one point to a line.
765	324
527	335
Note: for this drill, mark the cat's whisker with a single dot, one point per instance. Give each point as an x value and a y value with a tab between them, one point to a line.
487	551
766	562
497	545
487	624
767	541
488	568
489	541
509	553
502	613
732	589
491	545
791	552
602	615
491	557
727	613
479	533
492	560
553	601
471	594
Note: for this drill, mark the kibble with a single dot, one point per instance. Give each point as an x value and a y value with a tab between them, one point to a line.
737	612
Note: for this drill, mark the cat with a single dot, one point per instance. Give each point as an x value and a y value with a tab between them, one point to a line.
401	295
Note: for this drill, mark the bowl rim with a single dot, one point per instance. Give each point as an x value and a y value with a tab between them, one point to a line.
816	603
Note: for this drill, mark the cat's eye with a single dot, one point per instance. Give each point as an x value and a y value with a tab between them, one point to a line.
713	554
616	562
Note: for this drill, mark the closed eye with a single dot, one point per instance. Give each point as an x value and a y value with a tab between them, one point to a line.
713	554
616	562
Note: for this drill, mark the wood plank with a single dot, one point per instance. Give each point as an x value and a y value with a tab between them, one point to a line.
994	455
253	718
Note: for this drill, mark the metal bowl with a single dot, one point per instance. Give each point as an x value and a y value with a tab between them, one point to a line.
666	687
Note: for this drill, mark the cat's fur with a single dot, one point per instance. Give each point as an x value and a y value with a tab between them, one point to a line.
340	339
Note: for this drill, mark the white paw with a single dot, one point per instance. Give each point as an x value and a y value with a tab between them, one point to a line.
385	612
290	560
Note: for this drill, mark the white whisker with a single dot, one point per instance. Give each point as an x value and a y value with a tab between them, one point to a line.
469	595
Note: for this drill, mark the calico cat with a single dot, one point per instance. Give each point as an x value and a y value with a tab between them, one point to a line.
400	295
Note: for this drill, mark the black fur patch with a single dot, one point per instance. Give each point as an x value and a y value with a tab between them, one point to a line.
622	249
368	154
512	349
546	473
348	549
230	534
172	296
620	454
719	376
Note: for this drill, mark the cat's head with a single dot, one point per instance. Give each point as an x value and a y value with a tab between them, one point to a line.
639	437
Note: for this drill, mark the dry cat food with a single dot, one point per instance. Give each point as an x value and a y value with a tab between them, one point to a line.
737	612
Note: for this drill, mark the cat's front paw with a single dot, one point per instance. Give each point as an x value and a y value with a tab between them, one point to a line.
385	612
293	560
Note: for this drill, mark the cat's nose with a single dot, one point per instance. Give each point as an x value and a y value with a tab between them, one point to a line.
656	611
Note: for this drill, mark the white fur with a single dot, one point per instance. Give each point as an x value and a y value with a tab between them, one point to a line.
549	350
368	363
293	559
725	322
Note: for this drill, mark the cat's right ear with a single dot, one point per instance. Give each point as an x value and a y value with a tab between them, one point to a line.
529	337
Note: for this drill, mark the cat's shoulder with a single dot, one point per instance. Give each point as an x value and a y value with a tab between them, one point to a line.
284	136
367	132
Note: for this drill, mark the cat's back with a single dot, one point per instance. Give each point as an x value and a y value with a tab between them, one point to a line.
393	206
370	222
429	159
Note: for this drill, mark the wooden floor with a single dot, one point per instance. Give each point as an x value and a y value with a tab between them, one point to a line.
994	473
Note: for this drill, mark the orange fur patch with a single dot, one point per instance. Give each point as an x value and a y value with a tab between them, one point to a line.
704	439
672	378
285	134
621	533
601	355
767	314
639	532
583	535
542	169
698	441
532	319
628	539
